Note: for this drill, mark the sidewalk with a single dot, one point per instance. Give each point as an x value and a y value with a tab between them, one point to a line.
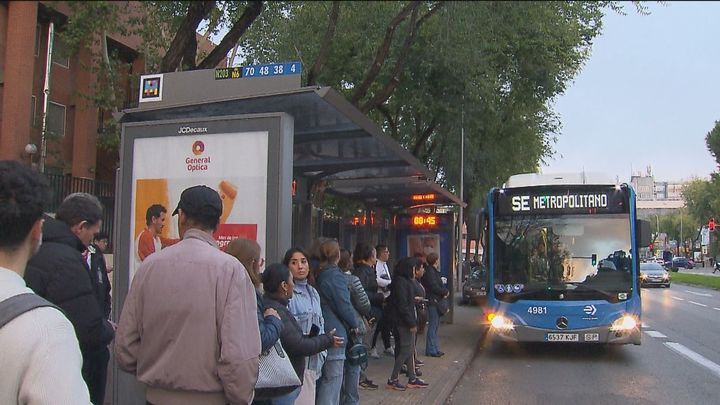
705	271
459	341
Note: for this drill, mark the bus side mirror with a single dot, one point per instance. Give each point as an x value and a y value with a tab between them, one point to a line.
643	234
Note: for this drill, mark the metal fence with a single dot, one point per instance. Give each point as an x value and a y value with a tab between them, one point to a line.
61	186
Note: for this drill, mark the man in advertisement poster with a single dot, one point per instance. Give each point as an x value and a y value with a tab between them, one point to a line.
204	299
150	239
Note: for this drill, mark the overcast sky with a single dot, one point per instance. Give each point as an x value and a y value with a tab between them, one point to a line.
647	96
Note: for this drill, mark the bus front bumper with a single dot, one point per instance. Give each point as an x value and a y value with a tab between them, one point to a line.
601	334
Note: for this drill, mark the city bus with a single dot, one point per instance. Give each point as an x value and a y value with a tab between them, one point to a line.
562	260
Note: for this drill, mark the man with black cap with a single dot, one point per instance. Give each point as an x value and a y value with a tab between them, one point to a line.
189	329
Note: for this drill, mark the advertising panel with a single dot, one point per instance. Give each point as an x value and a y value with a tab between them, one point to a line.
233	164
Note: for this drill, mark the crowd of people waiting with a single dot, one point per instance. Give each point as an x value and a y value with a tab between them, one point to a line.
199	325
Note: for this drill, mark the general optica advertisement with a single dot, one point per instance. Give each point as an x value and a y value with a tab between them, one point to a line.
423	244
235	165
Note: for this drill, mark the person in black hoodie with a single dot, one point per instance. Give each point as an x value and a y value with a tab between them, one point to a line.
59	272
401	310
278	286
435	292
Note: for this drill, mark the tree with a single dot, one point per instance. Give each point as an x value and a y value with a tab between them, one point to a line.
712	140
168	31
421	70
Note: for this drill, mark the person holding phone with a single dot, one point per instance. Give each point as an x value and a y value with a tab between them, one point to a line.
305	307
279	286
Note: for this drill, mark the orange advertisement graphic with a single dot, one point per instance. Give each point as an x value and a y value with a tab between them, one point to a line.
228	192
149	192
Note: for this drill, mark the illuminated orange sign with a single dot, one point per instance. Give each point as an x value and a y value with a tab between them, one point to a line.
423	197
362	220
424	220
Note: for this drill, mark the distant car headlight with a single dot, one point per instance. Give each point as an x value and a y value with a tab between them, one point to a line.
666	276
500	322
624	323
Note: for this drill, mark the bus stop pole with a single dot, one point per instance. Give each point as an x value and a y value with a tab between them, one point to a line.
462	179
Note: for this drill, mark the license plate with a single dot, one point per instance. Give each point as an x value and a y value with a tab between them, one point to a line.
592	337
563	337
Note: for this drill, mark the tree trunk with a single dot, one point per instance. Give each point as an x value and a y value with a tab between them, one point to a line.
326	44
197	11
252	11
382	53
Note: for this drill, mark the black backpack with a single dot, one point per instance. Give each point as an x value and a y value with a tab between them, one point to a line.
17	305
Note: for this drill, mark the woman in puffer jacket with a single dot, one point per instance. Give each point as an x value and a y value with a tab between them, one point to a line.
352	375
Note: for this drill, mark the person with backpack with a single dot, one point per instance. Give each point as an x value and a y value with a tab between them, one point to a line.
41	360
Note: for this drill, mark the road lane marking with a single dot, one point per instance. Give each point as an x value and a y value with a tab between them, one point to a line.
697	303
717	309
655	334
644	325
677	298
700	294
697	358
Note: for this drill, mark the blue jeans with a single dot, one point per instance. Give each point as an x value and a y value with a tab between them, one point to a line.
288	399
349	394
432	344
330	384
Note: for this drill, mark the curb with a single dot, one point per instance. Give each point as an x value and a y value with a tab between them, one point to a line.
454	378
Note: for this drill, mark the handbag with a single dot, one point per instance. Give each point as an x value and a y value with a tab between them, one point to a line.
356	353
421	310
276	374
443	306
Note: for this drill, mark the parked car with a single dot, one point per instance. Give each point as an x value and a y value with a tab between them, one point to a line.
654	274
682	262
475	287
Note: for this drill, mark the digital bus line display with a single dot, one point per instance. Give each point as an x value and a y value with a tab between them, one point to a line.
561	200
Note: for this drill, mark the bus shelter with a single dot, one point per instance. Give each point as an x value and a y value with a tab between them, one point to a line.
268	146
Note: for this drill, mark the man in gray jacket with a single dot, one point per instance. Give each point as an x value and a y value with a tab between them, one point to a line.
189	328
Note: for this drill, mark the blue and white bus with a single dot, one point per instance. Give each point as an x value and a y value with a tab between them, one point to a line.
561	255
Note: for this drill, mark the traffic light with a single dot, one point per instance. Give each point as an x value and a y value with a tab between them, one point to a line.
711	224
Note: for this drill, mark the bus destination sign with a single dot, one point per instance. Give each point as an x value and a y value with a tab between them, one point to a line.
560	201
271	69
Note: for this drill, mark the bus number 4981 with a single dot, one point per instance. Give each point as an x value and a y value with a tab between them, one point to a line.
537	310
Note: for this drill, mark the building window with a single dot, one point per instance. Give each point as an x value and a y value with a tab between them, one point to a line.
60	53
38	35
56	119
32	111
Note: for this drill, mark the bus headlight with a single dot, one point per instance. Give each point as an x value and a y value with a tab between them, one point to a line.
500	322
625	323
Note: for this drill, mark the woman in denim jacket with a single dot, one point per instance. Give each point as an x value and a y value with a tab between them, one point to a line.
305	307
339	315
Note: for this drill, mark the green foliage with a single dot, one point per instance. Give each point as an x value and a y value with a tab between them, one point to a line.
712	140
697	279
492	68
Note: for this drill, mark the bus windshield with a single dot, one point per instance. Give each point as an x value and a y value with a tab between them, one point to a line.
562	257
